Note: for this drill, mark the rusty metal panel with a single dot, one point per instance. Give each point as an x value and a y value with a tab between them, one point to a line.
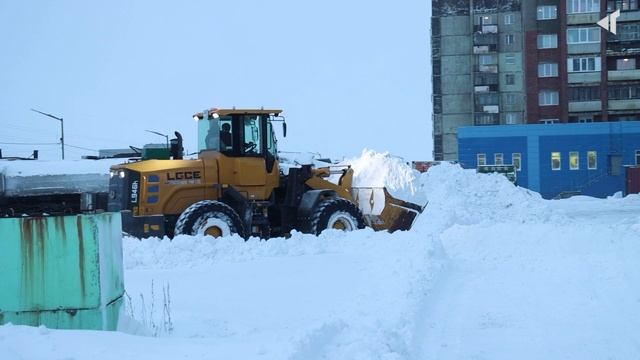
90	319
59	265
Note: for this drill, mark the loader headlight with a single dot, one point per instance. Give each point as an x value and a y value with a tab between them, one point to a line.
121	174
112	173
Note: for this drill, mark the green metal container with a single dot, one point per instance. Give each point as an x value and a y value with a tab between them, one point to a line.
62	272
156	151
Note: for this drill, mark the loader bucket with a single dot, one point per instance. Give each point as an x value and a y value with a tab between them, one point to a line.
384	212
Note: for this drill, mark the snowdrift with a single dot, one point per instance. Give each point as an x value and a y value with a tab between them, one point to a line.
490	270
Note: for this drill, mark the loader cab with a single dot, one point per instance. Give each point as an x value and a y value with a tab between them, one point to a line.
239	133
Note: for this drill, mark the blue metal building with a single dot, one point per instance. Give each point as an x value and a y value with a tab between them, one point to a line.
557	159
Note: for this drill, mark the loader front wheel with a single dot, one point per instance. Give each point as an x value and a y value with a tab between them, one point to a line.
339	214
209	217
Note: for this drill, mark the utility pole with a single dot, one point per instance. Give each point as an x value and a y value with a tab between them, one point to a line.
61	127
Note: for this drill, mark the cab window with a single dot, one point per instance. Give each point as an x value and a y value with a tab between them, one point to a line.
252	137
226	135
215	134
271	140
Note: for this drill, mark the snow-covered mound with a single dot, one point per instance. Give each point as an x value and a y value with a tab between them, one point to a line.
455	195
466	197
482	275
373	169
344	295
56	167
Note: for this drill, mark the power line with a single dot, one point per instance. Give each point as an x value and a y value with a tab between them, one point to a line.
80	147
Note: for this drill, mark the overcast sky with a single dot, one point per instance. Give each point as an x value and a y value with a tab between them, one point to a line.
348	75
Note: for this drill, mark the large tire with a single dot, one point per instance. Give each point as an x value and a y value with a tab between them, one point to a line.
338	214
209	217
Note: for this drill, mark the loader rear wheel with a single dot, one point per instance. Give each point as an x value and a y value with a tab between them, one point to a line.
209	217
339	214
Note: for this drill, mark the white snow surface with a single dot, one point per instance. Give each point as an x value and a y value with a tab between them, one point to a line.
489	271
56	167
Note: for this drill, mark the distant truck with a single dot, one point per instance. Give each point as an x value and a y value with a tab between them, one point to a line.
509	171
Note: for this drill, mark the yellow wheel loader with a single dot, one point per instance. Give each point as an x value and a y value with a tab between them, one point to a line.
237	186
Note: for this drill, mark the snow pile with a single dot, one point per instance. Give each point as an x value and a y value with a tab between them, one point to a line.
373	169
484	274
342	295
459	196
56	167
455	195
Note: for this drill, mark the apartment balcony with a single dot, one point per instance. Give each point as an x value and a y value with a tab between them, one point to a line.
618	47
486	29
584	77
587	48
485	49
490	69
630	104
489	29
582	106
633	15
585	18
486	119
486	79
488	109
617	75
485	39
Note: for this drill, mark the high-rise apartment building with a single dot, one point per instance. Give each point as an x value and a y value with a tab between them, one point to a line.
531	61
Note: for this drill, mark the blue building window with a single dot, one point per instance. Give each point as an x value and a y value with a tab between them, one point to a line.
555	160
481	159
592	160
497	159
574	160
516	159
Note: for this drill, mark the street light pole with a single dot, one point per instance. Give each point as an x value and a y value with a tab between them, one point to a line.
61	127
161	134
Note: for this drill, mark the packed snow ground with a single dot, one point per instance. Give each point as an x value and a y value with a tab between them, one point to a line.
489	271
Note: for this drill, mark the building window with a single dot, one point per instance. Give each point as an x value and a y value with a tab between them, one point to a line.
509	39
497	159
547	69
628	32
592	160
549	121
511	118
508	19
515	161
488	99
510	59
584	64
555	161
582	6
582	35
548	98
547	41
584	93
637	157
624	92
481	159
510	79
510	99
622	5
487	118
486	59
574	160
626	64
583	119
547	12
